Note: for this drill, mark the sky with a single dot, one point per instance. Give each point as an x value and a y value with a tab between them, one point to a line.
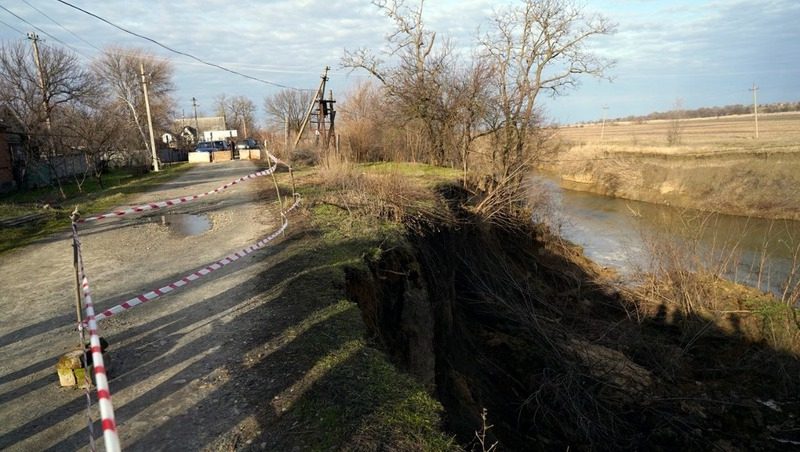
699	52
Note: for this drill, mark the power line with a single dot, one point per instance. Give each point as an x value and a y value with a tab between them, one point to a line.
188	55
32	25
250	66
63	27
42	31
12	27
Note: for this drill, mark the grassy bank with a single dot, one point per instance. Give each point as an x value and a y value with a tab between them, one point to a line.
54	211
717	165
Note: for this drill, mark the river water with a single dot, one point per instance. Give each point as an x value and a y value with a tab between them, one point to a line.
622	235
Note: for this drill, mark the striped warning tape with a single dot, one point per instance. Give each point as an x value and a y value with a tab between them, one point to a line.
153	294
276	160
107	420
172	202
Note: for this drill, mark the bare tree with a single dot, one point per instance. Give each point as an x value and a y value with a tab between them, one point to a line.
288	105
221	106
361	114
471	89
417	82
37	101
238	111
119	71
675	128
537	47
96	134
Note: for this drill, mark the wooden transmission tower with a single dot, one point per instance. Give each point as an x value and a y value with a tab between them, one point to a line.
321	113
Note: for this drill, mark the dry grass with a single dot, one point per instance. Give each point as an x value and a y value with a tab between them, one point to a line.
688	279
718	167
384	192
777	132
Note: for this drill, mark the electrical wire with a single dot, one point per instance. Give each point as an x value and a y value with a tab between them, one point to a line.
117	51
12	27
32	25
178	52
62	27
44	32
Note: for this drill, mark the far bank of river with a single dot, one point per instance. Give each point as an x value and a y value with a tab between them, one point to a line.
618	233
750	184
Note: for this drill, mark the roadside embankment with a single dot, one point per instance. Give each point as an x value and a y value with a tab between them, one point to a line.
748	183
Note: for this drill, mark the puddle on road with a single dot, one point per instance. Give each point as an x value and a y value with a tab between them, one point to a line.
186	224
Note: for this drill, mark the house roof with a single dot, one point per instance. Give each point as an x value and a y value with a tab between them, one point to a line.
203	123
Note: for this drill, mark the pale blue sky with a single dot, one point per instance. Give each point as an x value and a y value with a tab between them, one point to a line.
705	52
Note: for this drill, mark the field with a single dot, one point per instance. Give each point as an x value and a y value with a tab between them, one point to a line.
718	165
777	132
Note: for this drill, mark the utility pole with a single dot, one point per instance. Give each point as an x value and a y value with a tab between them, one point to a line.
755	106
34	38
331	113
149	119
603	127
196	126
286	133
320	93
322	112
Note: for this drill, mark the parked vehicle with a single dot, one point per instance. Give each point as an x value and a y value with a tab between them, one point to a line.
210	146
247	143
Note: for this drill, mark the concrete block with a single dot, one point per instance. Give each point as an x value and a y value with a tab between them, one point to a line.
221	156
71	372
199	157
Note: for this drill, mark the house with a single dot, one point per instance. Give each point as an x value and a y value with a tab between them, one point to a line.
12	157
7	182
31	168
188	126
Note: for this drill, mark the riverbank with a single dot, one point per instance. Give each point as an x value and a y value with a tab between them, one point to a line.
761	185
714	165
514	320
394	315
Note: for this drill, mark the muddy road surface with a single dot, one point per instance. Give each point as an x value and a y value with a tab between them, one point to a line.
176	372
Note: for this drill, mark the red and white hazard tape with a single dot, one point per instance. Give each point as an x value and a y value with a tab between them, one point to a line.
152	295
172	202
100	379
107	420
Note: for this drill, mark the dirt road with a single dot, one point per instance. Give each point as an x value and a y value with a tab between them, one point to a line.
171	377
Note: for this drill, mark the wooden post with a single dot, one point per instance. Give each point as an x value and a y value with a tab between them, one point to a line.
277	189
291	176
76	267
286	135
754	89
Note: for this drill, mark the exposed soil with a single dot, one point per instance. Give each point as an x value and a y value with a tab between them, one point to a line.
513	321
189	370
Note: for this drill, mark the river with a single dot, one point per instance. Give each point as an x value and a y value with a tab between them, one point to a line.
620	234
